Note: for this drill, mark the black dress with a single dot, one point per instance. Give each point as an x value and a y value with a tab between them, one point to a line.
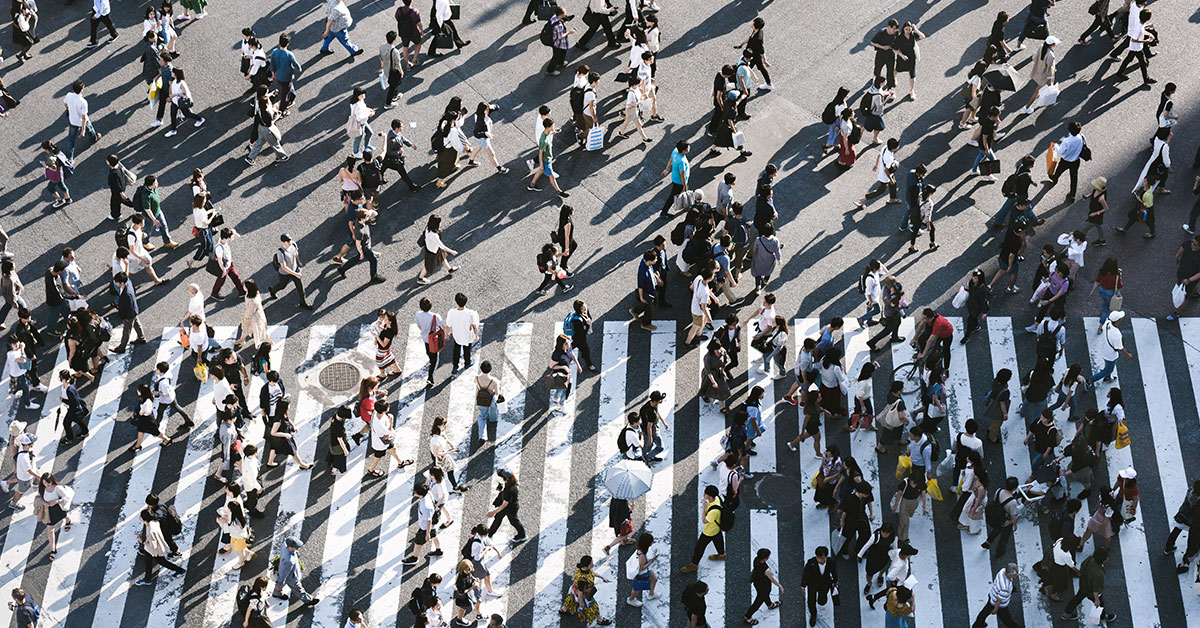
906	46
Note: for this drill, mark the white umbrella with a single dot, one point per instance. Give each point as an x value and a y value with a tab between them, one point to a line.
628	479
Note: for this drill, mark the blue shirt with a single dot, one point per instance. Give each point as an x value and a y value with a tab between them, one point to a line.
826	341
1070	147
645	280
284	65
680	167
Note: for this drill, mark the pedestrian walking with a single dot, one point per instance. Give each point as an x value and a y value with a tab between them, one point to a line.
819	581
884	43
265	116
289	573
1068	152
999	598
598	15
464	328
78	121
181	101
885	169
285	69
433	331
1041	72
1091	586
871	107
337	26
393	156
483	135
289	269
408	27
164	396
128	310
24	19
152	549
358	125
545	160
506	506
445	32
391	69
711	530
1111	349
1139	37
680	169
1001	516
558	41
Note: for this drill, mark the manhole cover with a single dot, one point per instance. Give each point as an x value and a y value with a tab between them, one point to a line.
778	491
339	377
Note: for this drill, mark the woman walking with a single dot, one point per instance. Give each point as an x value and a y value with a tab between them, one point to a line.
978	303
832	383
810	426
202	219
646	578
487	398
146	418
254	319
633	101
908	52
1097	206
153	549
483	135
466	592
876	552
181	101
435	251
725	133
872	109
549	266
339	446
971	93
450	143
1066	389
581	599
765	253
265	115
761	578
358	125
973	484
383	440
232	521
714	386
1108	283
564	237
563	366
281	437
54	501
383	331
443	452
1041	72
23	20
847	134
832	115
577	325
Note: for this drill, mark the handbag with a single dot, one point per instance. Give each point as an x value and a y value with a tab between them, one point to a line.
213	268
185	340
595	139
631	566
626	528
934	490
501	404
185	102
960	298
1047	96
816	479
443	39
989	166
1115	303
545	10
557	380
1123	438
217	221
455	10
903	467
739	140
1178	295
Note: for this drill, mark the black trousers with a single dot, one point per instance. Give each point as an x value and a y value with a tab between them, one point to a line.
596	22
398	166
816	597
644	312
368	254
885	61
1143	64
174	407
393	90
558	58
1077	598
107	21
547	280
438	29
718	541
284	280
758	65
457	349
531	10
585	350
1002	616
1000	535
149	561
891	329
676	190
114	205
1071	167
286	96
761	596
79	419
1134	216
433	362
511	515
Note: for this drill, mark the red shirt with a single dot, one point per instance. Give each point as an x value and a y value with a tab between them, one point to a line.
942	327
366	408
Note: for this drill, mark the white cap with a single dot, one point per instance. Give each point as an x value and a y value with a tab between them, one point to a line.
1128	473
27	439
1052	40
1115	316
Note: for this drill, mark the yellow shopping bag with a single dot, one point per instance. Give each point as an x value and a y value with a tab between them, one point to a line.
1051	162
154	88
816	479
1122	435
934	490
903	467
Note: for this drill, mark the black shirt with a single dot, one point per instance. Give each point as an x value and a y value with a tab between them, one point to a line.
987	127
884	38
117	181
1189	262
1010	246
755	44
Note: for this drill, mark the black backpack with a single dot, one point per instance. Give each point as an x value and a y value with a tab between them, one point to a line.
371	177
828	116
1047	342
244	594
547	36
1009	187
994	512
121	236
466	549
622	442
935	450
679	233
577	99
728	517
865	103
856	133
168	520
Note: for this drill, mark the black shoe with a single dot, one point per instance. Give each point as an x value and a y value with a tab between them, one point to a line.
357	52
272	291
313	601
581	48
376	279
140	341
306	306
436	552
325	52
282	596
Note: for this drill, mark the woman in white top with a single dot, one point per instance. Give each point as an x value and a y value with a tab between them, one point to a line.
146	418
257	72
57	499
232	521
358	126
778	347
1076	244
1041	72
198	339
202	220
435	251
254	319
483	135
439	492
638	45
181	100
382	441
885	174
443	452
195	305
832	383
249	466
971	484
634	96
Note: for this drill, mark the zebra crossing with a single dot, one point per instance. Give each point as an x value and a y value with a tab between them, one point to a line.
357	528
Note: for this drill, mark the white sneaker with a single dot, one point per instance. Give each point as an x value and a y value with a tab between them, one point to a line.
766	87
1025	111
654	6
763	370
1019	48
170	133
653	596
40	388
991	177
972	142
974	172
1000	134
200	122
32	406
357	155
156	123
1031	329
633	602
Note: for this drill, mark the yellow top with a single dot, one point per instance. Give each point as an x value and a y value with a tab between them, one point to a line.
712	518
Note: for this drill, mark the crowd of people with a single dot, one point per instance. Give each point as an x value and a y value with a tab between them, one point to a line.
715	244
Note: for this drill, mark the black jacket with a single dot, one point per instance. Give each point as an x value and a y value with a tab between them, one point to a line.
127	305
75	404
814	578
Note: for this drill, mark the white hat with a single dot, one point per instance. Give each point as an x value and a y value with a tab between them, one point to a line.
27	439
1128	473
1115	316
1052	40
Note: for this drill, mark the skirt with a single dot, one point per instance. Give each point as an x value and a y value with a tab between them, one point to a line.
642	582
846	154
480	571
147	424
196	6
720	391
433	261
238	545
56	514
872	122
384	358
447	158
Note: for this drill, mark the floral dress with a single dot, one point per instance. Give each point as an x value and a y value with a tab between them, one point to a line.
584	586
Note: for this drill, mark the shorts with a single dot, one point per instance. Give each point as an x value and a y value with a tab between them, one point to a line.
378	453
698	320
23	486
483	142
238	545
548	167
1016	265
422	538
642	582
406	41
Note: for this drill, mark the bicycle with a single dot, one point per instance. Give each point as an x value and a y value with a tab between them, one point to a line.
911	373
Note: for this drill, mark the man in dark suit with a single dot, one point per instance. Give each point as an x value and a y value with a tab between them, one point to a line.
75	408
127	309
820	577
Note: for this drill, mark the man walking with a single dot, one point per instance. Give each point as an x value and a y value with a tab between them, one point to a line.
127	308
818	580
647	288
1138	38
337	26
393	156
408	26
597	16
164	396
1001	517
145	199
1069	151
363	248
286	69
680	169
223	254
1112	348
884	43
100	11
287	264
1091	586
391	68
999	596
710	521
559	45
77	119
75	409
119	178
464	328
289	571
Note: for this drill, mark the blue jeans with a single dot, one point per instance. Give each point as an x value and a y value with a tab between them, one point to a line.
1109	366
342	38
206	245
832	137
871	311
73	133
1105	301
983	154
1009	205
364	139
7	307
485	415
1062	401
891	621
22	382
163	230
1031	410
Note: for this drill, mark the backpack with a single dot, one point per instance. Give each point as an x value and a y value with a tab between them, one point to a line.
244	594
679	233
828	116
31	610
865	103
437	336
622	442
168	520
1047	342
728	517
935	450
371	177
569	324
856	133
260	364
577	99
994	512
547	36
275	259
466	549
122	236
104	331
1009	187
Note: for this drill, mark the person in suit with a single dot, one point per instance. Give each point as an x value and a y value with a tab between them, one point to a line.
818	580
127	309
76	409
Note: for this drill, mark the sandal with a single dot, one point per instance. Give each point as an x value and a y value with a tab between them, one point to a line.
377	474
446	525
67	526
750	622
135	448
405	463
774	605
53	553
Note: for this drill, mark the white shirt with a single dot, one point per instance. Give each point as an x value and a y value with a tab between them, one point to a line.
223	253
700	296
360	111
379	428
101	7
180	89
1061	556
433	242
873	288
971	442
24	465
425	509
886	159
441	10
1074	249
437	442
1001	591
258	61
589	99
138	243
633	443
164	392
199	217
250	467
460	322
77	108
11	366
635	56
1111	344
1134	35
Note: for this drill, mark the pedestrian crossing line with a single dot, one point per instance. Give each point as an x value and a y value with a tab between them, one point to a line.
1189	329
712	427
85	481
764	534
766	460
18	543
920	529
189	491
339	526
398	493
1027	537
221	602
460	423
816	523
555	507
1160	414
1139	583
122	555
659	501
518	339
862	446
959	407
611	422
293	489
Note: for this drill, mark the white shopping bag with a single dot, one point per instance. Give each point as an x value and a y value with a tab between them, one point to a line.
1093	618
739	140
1047	96
595	139
1178	295
960	299
382	81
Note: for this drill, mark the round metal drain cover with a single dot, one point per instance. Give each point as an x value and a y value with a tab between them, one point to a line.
339	377
779	491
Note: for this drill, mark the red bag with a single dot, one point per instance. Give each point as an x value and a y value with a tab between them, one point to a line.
626	528
437	336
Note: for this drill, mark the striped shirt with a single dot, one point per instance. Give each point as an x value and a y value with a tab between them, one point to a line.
1001	589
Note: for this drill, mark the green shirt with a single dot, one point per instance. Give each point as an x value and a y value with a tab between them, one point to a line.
1091	577
147	199
546	146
